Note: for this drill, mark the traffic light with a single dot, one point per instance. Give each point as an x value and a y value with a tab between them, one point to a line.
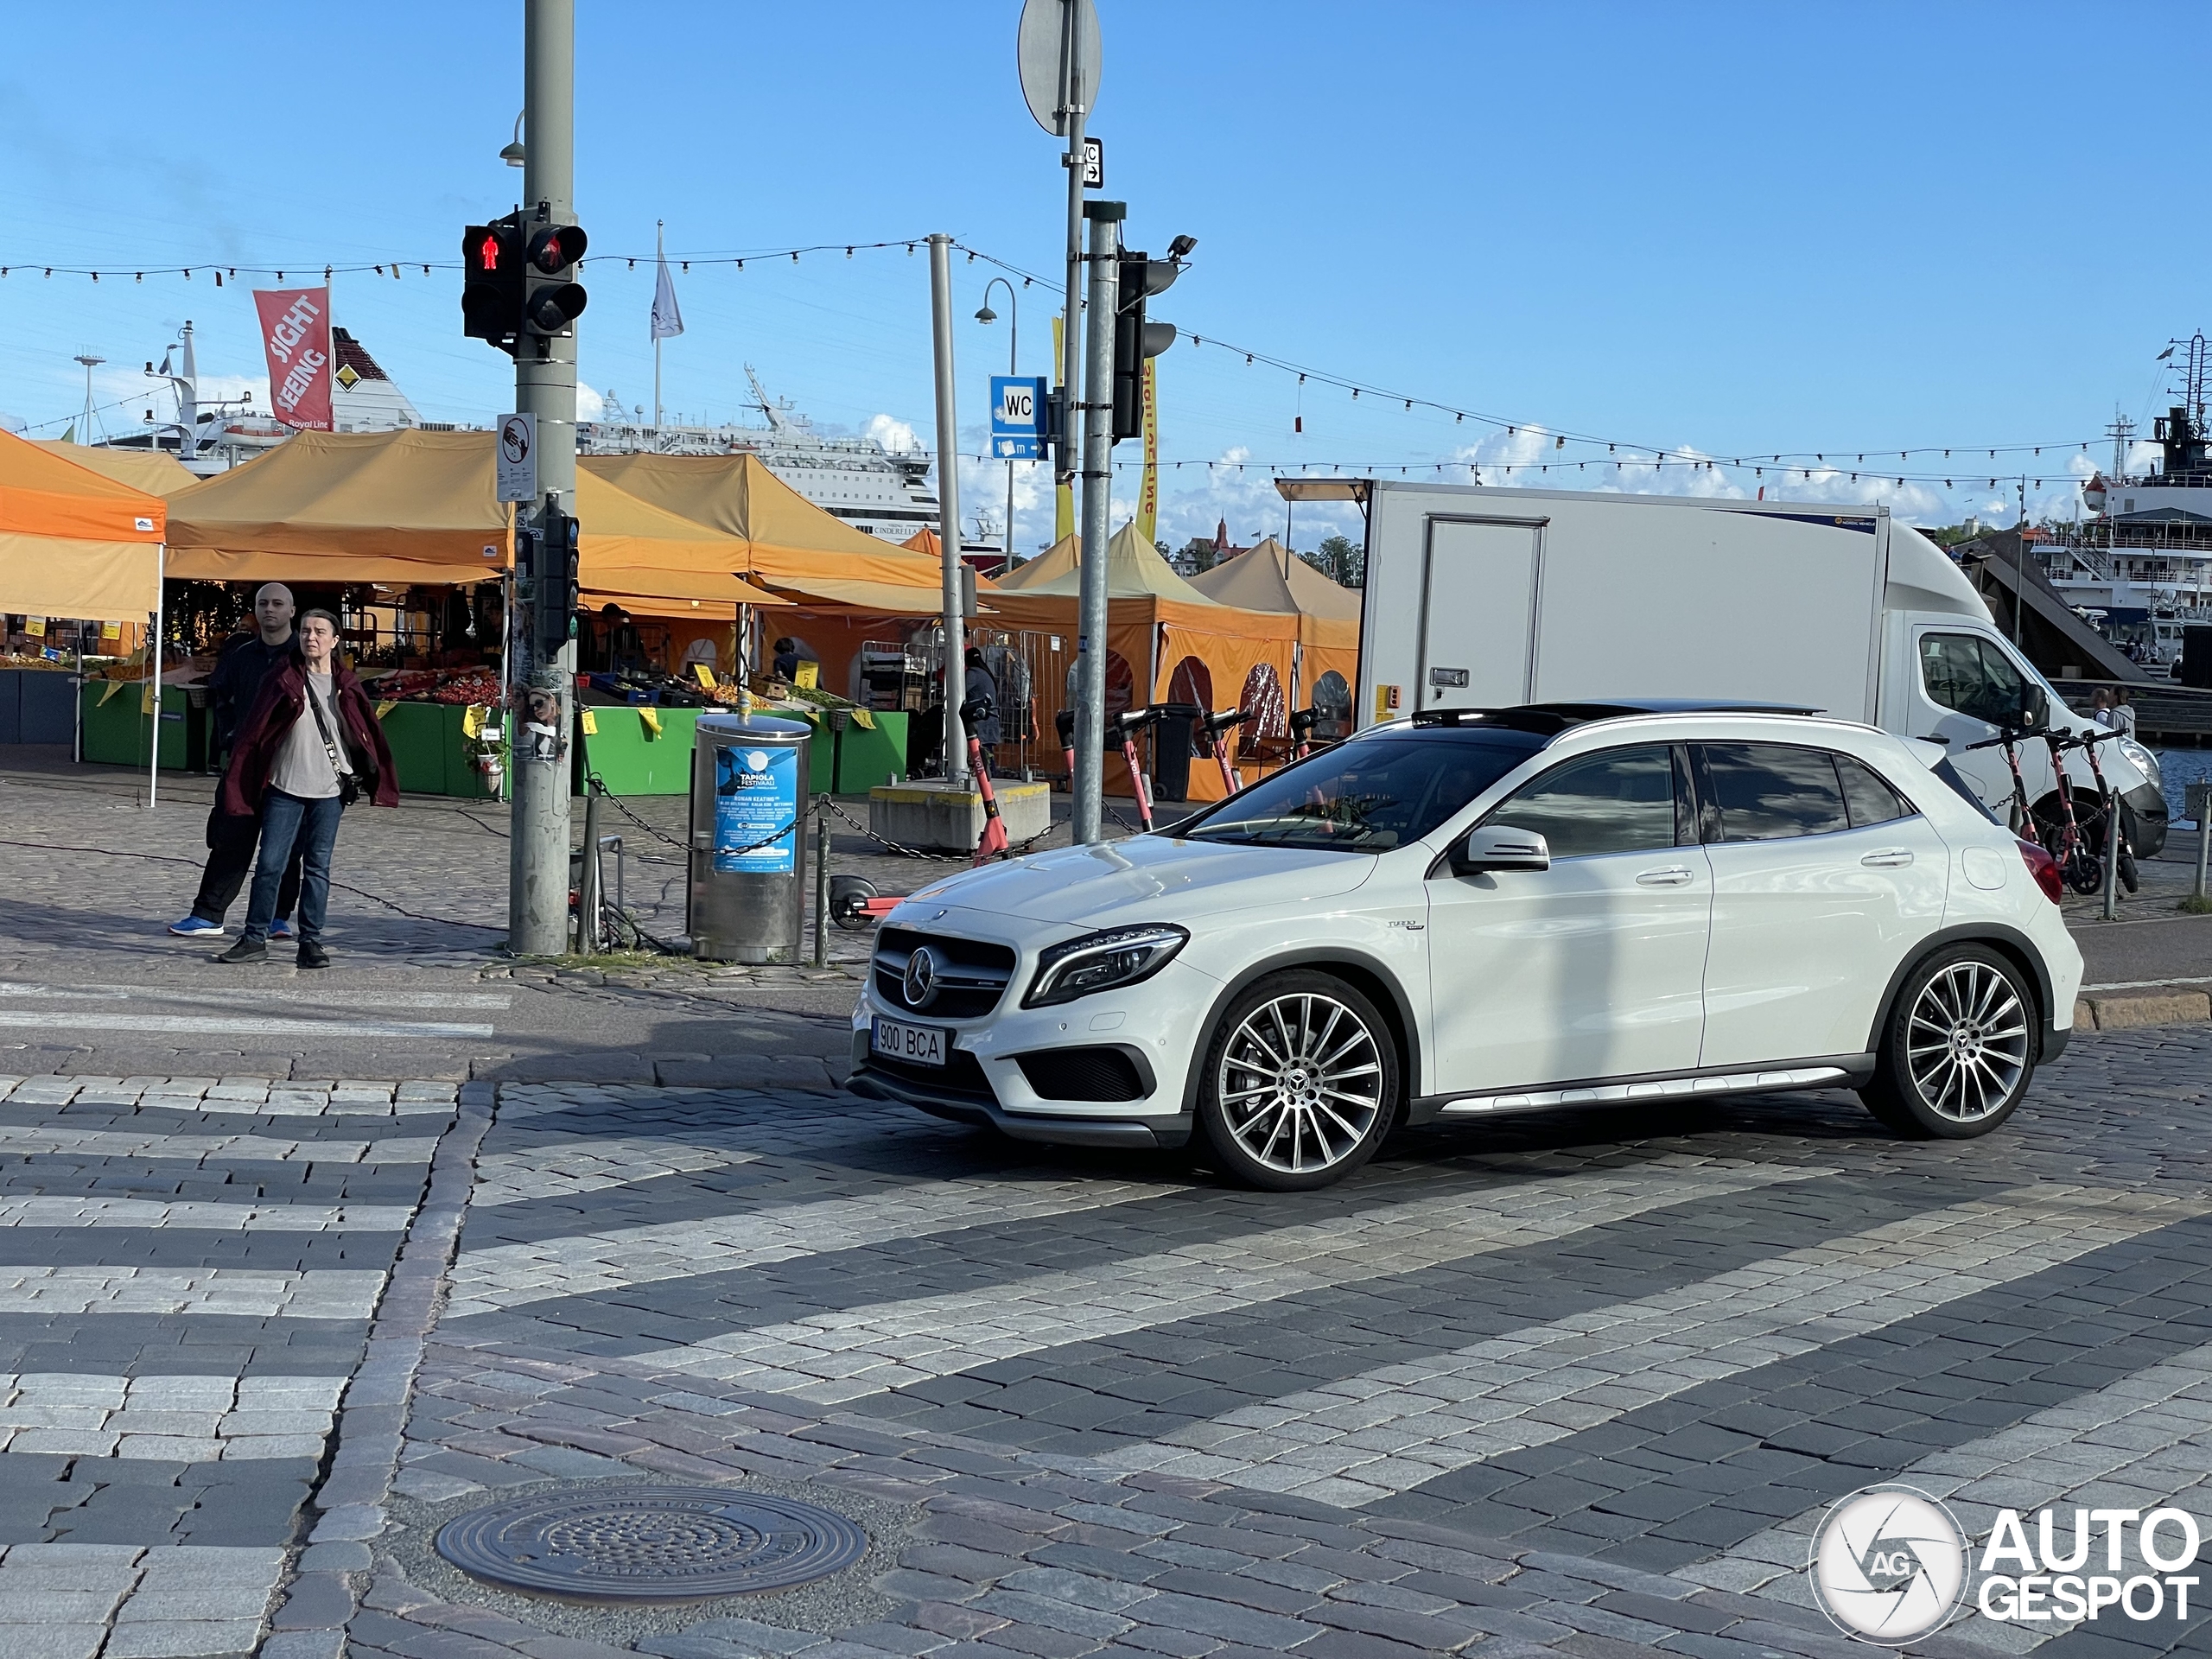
491	282
553	300
559	572
1134	340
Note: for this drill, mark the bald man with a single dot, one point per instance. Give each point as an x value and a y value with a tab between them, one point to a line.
230	691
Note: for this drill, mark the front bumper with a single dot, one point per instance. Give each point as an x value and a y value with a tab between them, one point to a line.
2143	814
1153	1027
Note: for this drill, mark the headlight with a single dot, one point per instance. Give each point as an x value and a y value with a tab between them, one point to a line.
2143	758
1103	961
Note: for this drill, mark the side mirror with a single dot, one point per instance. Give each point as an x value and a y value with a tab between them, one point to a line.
1501	847
2035	708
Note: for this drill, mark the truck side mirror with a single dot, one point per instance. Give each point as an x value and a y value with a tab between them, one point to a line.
2035	708
1501	847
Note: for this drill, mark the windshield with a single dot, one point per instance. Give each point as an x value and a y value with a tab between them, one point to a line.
1368	794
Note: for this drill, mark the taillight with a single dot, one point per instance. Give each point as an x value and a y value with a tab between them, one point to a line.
2041	866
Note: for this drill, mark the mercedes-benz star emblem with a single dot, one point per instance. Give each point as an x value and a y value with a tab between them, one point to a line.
920	986
1890	1565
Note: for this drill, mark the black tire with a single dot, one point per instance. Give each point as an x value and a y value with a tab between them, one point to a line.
1300	1083
1958	1047
848	895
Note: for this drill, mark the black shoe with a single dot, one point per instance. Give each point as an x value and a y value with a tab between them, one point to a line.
313	955
246	950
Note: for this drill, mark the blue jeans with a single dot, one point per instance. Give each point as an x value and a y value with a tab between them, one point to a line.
286	819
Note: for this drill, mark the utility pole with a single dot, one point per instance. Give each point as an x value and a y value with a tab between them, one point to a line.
948	500
545	385
1097	409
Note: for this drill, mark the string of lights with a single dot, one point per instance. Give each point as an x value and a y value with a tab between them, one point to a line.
1478	471
1620	455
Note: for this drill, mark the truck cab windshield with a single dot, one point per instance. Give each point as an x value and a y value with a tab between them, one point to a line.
1368	794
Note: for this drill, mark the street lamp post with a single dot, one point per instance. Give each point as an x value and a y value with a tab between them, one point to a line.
1013	360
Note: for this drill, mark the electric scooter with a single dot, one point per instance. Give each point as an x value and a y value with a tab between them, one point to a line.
1216	727
1126	726
2108	808
855	902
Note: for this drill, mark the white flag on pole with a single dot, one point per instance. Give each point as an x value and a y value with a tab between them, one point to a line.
668	316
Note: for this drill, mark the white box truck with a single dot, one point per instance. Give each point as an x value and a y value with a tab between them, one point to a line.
1480	597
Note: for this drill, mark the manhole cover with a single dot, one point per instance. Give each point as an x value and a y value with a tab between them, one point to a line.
650	1543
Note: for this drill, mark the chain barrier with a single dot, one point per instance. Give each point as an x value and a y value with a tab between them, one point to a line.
1013	851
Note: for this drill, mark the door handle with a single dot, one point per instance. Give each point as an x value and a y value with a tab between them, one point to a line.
1674	877
1890	858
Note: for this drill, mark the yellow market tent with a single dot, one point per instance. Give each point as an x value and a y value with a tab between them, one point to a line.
74	543
153	471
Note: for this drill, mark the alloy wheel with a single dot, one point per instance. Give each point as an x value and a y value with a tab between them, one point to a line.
1966	1043
1300	1081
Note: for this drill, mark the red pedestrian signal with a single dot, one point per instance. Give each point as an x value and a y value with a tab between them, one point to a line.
493	288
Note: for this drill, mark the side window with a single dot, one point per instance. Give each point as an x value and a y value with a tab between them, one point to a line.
1966	672
1869	799
1768	791
1619	802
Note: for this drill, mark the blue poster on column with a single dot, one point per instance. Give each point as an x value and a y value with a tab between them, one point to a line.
756	800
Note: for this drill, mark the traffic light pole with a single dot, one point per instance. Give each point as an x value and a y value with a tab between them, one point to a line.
537	888
1098	409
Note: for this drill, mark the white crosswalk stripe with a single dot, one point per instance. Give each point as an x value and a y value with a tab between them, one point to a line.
174	1418
30	1141
202	1214
2143	1443
557	1168
1390	1429
315	1293
513	1275
863	1351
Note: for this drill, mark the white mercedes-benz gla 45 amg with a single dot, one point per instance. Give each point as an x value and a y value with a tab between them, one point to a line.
1503	911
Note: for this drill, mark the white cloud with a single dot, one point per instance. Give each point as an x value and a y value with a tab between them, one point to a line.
893	433
590	405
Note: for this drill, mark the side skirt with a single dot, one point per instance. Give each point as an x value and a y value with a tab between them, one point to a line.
1830	1072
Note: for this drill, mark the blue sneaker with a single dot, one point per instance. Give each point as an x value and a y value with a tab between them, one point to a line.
196	927
280	929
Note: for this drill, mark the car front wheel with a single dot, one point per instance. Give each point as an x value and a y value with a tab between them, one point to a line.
1959	1047
1300	1083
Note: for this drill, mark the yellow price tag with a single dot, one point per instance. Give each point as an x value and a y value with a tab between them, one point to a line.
386	707
471	721
865	719
649	719
146	698
113	686
706	675
590	719
808	675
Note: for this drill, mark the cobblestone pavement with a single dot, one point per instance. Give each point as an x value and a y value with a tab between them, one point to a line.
190	1268
1581	1386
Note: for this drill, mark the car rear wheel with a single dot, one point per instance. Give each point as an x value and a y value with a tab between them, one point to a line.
1959	1047
1300	1083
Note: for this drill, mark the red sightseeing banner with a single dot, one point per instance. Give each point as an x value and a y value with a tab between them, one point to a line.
295	333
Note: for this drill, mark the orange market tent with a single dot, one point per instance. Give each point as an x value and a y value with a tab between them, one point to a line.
155	472
412	506
1270	577
1166	643
72	542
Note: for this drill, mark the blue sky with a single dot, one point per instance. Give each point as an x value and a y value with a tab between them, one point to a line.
1719	229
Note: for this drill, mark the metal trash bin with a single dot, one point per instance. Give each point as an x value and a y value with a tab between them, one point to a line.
1172	750
749	845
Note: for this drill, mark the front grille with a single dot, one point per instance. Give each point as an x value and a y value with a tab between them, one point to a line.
972	977
960	1077
1083	1074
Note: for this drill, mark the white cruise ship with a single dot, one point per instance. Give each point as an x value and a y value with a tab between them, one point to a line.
886	492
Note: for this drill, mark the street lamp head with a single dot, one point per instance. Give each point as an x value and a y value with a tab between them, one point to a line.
1181	246
514	155
987	314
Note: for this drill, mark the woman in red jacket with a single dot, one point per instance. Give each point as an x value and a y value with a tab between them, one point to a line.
310	745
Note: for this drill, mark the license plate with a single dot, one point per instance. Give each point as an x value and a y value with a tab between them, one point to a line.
920	1045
